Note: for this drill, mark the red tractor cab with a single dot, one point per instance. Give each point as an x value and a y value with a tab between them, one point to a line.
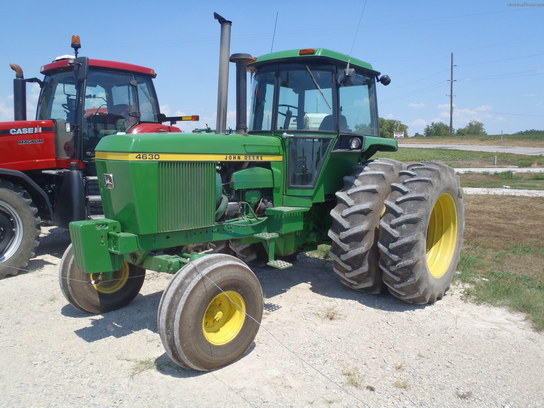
47	170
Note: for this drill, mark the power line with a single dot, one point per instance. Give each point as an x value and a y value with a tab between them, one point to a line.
516	114
502	60
357	29
451	95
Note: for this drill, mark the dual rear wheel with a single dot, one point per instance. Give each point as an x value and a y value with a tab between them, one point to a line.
398	227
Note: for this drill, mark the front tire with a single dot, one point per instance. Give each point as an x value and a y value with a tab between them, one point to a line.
210	312
421	233
19	228
90	293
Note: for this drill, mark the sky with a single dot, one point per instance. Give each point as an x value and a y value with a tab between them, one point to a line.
497	46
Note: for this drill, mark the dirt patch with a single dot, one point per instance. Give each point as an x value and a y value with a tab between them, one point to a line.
503	221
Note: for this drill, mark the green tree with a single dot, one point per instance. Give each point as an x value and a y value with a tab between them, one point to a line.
474	128
388	126
436	129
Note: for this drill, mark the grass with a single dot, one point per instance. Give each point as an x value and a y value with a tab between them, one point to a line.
526	181
528	139
460	158
322	252
141	365
403	384
353	377
331	314
503	256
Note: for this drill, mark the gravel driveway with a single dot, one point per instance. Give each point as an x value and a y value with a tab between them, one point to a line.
321	345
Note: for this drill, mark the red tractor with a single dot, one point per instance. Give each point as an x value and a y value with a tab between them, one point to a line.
47	171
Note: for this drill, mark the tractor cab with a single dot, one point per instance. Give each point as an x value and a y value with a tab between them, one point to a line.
90	99
319	102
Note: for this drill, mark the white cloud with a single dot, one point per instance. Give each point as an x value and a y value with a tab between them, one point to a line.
6	109
165	109
418	123
6	104
462	116
416	105
529	95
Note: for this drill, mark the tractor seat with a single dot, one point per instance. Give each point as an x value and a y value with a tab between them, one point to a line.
327	124
120	110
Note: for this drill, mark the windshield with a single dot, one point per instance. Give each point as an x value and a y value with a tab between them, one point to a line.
357	106
114	102
315	98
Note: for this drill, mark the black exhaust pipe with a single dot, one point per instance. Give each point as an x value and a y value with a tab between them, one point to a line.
19	93
241	61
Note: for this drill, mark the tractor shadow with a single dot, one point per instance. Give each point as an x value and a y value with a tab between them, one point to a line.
140	314
318	273
166	366
53	242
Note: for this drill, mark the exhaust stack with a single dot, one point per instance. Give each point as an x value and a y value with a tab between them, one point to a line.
241	61
223	86
19	93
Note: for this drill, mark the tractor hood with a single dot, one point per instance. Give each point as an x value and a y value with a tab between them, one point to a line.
163	182
189	147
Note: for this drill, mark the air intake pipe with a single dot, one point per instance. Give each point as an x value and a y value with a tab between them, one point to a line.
19	93
241	61
222	94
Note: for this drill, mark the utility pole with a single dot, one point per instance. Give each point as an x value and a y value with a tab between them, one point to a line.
451	96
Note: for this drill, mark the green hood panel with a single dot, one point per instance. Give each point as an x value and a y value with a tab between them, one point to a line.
187	143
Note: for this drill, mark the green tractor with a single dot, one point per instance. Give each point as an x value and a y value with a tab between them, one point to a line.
298	173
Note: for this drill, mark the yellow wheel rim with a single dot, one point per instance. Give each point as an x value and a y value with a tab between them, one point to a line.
114	284
224	318
442	236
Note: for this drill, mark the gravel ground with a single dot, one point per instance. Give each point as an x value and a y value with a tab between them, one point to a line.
321	345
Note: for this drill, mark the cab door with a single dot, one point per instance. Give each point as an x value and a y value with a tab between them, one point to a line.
305	116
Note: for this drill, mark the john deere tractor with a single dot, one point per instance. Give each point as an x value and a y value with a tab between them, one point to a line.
298	173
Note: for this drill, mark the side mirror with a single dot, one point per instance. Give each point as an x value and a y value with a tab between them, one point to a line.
384	80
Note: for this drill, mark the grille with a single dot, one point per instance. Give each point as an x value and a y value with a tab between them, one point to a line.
186	195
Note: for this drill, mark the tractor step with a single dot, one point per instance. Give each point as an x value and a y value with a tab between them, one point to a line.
267	236
94	198
279	264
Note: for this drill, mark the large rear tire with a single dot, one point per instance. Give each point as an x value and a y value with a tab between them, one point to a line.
19	228
91	293
355	222
210	312
421	233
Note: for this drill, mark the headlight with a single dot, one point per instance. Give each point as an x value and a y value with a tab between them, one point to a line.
355	143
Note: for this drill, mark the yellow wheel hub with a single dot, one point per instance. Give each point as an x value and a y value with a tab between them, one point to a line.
224	318
442	235
112	285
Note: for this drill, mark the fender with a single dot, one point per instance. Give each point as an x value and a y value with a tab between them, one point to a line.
39	196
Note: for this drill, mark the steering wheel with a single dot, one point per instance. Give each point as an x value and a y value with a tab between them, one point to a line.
287	106
287	114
